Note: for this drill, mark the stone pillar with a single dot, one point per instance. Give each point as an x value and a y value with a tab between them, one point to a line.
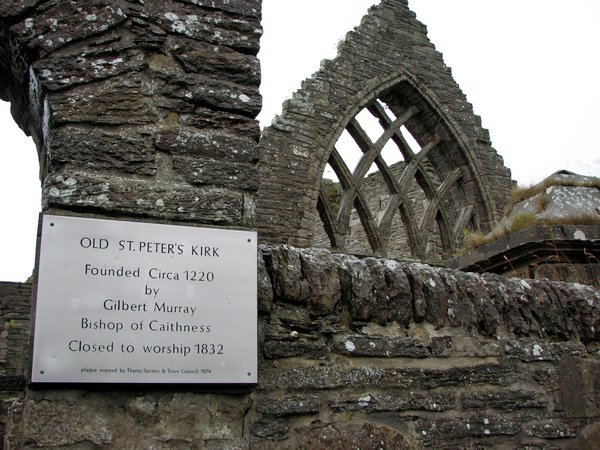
139	109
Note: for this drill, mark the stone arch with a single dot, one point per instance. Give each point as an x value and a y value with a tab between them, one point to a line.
466	167
388	52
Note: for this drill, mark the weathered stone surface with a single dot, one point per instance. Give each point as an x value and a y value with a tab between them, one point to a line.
61	423
453	386
12	382
92	148
111	102
582	306
286	318
210	25
290	406
369	436
274	430
357	287
506	400
217	146
10	8
15	314
411	401
329	377
198	172
249	8
528	350
579	387
202	118
467	346
61	72
122	420
61	23
219	62
145	198
426	284
320	273
265	289
202	90
380	346
551	429
295	345
398	307
458	428
287	275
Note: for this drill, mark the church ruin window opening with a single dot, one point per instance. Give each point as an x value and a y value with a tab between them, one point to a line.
406	184
349	150
369	124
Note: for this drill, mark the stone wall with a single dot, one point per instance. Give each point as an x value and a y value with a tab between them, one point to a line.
364	352
147	110
138	109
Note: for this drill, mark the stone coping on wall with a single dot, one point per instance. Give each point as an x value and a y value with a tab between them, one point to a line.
384	292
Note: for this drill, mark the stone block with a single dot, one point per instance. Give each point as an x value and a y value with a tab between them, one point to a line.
250	8
332	377
62	23
429	294
115	101
551	429
211	26
357	287
404	401
579	388
505	400
207	144
221	63
92	148
200	90
275	430
221	121
73	69
434	432
198	172
265	289
367	436
287	275
380	346
321	275
295	345
289	406
144	198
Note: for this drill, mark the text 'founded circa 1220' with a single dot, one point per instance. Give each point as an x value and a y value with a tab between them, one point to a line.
133	302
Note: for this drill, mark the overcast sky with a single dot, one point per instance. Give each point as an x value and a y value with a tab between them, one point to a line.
529	67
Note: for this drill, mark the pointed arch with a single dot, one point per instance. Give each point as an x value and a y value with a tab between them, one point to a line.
388	71
413	107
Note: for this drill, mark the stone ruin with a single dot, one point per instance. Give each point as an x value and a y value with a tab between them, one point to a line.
558	234
146	110
388	69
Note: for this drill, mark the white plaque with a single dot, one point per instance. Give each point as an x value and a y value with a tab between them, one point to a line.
132	302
